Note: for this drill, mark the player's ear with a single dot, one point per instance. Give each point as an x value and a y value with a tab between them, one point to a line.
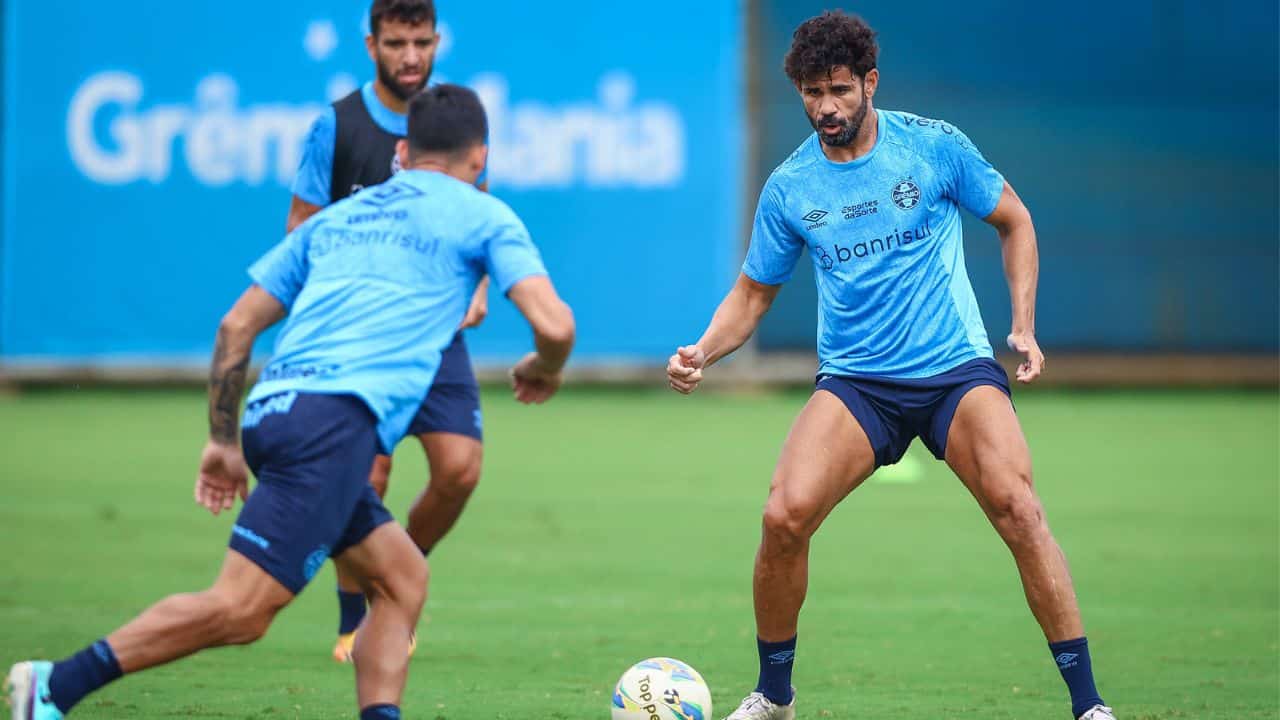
371	46
480	157
870	82
402	152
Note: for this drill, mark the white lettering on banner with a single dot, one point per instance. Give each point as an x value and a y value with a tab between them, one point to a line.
222	142
610	143
101	165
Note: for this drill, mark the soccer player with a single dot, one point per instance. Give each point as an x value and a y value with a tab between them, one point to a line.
875	196
373	288
352	146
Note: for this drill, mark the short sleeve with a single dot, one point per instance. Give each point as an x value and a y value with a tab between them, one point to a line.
283	270
312	183
510	255
775	246
970	180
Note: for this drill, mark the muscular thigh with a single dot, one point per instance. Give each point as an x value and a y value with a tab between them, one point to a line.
986	447
826	455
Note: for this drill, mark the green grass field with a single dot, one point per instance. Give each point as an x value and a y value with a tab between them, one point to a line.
616	525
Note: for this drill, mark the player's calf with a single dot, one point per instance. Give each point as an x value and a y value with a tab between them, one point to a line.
393	575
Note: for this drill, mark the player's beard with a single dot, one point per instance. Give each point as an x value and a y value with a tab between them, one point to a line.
849	129
390	82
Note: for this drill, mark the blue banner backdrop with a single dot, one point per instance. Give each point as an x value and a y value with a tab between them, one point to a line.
148	155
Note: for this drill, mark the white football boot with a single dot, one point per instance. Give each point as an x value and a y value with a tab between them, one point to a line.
1099	712
758	707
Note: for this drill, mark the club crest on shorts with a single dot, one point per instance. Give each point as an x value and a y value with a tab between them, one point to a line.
906	194
314	562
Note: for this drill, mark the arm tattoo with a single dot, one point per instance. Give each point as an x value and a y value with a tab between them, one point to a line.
226	387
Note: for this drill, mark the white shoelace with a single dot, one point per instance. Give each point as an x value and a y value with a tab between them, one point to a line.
754	701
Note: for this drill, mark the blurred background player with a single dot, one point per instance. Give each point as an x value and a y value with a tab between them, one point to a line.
373	289
352	146
875	196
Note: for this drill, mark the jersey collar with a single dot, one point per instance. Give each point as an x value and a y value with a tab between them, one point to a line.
387	119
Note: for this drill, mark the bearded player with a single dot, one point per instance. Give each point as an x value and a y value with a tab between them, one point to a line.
876	196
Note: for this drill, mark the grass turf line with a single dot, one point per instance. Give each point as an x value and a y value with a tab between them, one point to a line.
616	525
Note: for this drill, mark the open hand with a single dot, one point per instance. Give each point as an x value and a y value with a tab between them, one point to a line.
532	382
1033	360
223	475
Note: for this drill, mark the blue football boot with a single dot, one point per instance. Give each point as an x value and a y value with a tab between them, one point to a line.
27	692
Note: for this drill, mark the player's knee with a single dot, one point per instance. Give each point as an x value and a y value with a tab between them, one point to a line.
456	475
380	474
461	480
249	626
1019	518
407	588
788	524
235	621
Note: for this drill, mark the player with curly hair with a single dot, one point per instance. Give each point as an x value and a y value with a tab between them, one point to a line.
875	196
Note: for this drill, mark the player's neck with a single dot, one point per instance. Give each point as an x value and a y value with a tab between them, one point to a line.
442	165
864	143
389	99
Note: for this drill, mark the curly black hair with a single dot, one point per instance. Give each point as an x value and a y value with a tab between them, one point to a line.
828	41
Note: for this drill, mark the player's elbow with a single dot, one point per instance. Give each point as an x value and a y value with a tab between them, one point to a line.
558	327
1016	221
234	327
1023	217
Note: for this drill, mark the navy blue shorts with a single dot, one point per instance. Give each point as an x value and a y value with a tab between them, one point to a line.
452	404
894	411
311	454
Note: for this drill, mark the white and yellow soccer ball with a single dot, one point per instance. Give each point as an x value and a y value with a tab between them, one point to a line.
661	689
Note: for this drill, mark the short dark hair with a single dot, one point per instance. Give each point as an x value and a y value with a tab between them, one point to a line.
413	12
446	118
828	41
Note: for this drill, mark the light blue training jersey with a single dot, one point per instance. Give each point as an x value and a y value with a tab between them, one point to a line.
894	298
376	286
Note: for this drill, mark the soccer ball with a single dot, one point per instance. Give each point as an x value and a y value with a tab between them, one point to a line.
661	689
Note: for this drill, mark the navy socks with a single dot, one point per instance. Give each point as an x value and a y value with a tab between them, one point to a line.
1073	661
776	660
86	671
351	609
380	712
